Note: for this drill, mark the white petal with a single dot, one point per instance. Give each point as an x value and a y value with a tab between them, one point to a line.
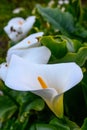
24	76
11	23
27	43
47	94
15	37
14	30
3	71
36	35
28	24
15	20
31	18
10	80
7	30
39	55
33	55
30	41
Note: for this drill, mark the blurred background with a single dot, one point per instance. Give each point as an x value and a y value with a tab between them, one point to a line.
16	111
7	8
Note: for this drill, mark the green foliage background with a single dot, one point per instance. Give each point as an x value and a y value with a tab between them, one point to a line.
66	37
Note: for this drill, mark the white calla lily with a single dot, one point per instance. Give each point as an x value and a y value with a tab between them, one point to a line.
49	81
30	50
18	28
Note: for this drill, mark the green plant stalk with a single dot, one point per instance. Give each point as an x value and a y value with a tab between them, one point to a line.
81	11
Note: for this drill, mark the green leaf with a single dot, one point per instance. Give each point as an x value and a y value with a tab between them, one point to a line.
43	127
37	105
28	109
80	57
74	98
21	97
60	125
80	31
75	7
13	124
62	21
64	49
58	48
24	97
84	87
71	124
84	126
8	124
7	108
72	44
18	125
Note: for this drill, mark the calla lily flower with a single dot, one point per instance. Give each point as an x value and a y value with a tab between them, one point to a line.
49	81
30	49
18	28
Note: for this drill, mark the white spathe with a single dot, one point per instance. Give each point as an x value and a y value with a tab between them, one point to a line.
30	41
17	28
49	81
30	49
40	55
61	77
